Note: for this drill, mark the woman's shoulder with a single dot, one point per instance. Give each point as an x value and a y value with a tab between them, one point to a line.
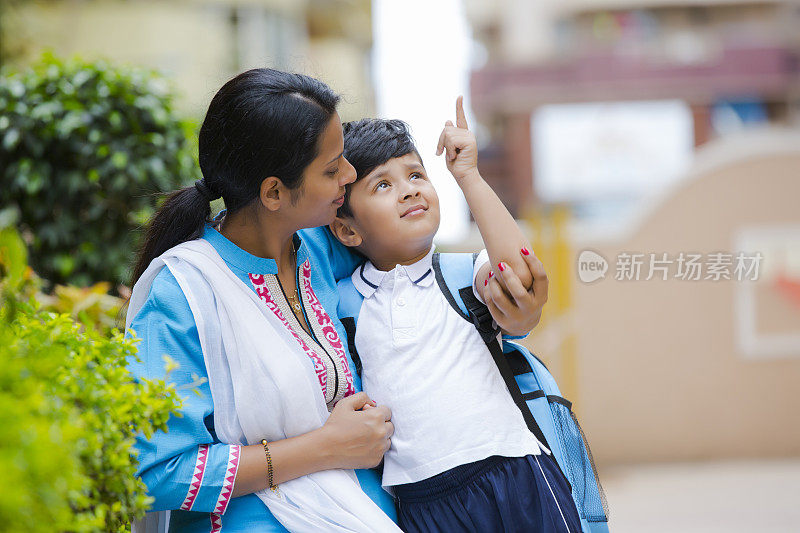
165	324
165	297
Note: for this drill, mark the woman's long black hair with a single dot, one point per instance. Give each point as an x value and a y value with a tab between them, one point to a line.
262	123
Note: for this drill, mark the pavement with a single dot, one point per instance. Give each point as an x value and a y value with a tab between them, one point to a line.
753	496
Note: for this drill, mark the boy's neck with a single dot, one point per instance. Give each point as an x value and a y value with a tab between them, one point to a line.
390	261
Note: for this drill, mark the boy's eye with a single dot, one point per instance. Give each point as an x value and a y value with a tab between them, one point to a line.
382	185
416	175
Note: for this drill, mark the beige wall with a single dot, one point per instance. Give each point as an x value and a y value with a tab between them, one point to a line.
519	31
190	43
660	376
340	64
194	43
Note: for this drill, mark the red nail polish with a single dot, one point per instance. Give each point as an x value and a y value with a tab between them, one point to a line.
501	267
491	273
486	282
525	251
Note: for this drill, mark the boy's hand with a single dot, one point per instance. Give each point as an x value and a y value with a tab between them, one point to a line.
459	144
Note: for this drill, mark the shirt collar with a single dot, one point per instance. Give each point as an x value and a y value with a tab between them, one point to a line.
367	278
244	260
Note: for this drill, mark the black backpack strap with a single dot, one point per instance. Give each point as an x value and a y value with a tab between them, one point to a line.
349	324
507	374
479	315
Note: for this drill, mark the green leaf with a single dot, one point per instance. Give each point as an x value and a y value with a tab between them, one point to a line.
10	139
13	256
16	88
119	159
65	264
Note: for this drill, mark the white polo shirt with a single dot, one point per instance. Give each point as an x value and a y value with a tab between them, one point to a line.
449	403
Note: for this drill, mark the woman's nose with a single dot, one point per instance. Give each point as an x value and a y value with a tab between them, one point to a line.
348	174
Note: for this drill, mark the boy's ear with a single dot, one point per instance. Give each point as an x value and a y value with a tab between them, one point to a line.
272	192
342	229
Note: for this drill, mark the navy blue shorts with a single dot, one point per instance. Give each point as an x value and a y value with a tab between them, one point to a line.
526	494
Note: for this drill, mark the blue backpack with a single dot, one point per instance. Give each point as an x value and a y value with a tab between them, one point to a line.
547	414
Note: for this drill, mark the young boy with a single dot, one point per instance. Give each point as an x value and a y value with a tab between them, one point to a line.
461	457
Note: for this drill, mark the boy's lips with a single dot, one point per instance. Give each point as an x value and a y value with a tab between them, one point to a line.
414	210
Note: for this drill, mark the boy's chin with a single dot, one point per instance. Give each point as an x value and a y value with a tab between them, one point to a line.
424	239
420	230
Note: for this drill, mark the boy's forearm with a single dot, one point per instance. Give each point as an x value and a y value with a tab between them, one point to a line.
500	232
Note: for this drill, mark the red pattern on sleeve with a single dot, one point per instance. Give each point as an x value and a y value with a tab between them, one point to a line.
197	477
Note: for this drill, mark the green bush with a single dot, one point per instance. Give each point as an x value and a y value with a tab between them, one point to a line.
84	149
69	412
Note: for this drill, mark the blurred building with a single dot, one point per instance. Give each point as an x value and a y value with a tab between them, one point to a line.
706	367
732	62
202	43
661	368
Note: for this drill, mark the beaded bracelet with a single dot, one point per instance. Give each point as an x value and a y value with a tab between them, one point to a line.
272	485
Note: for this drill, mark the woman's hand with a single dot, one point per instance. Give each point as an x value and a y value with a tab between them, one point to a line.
358	432
515	309
356	435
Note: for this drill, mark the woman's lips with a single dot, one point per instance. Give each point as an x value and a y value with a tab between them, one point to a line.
339	201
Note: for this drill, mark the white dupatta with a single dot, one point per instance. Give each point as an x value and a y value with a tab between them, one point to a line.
263	386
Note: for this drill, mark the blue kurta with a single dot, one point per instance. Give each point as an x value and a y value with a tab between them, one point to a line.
174	464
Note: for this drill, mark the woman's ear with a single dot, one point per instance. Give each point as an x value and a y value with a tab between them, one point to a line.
272	193
342	229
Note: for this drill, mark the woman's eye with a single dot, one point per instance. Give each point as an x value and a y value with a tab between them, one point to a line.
333	171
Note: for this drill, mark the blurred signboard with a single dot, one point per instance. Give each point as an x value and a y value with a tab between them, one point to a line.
767	310
613	152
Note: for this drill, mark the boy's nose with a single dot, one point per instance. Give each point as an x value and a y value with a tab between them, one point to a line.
410	190
411	193
348	174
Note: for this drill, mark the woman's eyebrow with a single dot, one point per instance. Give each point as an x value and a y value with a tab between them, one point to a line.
335	158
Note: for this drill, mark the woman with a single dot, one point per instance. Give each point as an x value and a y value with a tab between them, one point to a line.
241	307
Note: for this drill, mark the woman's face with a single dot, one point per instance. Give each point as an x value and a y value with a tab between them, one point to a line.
322	191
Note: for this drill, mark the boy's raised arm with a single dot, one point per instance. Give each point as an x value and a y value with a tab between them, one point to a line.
514	284
507	247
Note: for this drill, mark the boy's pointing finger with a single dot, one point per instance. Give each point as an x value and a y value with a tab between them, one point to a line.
461	118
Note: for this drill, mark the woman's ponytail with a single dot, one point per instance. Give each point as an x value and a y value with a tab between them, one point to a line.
180	218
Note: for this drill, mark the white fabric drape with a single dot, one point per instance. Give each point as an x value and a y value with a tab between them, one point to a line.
263	386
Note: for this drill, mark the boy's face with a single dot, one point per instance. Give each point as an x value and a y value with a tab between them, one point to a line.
395	211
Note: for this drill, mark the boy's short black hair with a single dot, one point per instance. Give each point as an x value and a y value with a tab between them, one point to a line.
371	142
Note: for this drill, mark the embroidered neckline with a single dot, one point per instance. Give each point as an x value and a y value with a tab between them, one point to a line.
326	350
